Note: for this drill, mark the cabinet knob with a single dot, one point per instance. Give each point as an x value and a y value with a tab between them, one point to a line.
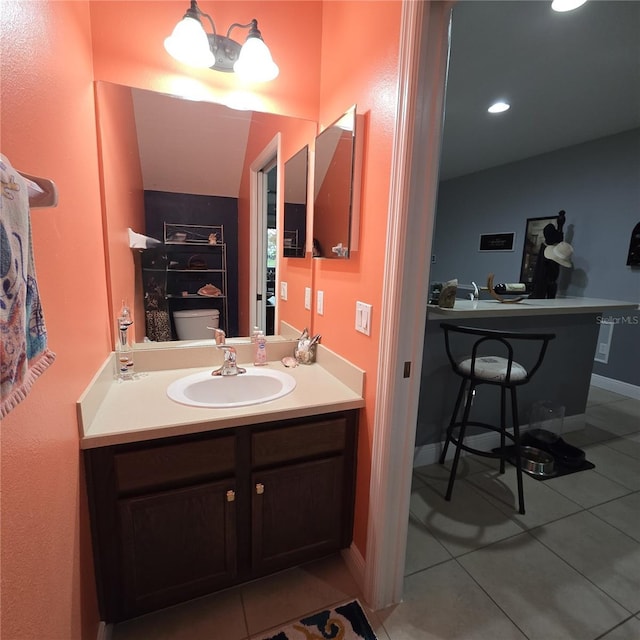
231	495
259	488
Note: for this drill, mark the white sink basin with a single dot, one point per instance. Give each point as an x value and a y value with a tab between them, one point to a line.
256	386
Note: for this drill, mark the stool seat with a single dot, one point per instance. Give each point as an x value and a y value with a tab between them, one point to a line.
492	368
483	367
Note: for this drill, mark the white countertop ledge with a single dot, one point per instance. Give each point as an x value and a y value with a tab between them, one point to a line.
527	307
116	412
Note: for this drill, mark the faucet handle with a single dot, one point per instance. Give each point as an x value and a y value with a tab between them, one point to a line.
229	353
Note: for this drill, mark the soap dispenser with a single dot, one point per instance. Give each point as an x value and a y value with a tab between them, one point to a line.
260	357
124	351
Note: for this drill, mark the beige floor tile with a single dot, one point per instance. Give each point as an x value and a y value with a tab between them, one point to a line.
465	523
620	418
629	630
542	594
444	603
216	616
629	445
606	556
542	504
616	466
602	396
423	550
467	466
589	434
587	488
623	513
288	595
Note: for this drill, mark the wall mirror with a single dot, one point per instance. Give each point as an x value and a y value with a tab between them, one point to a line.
294	234
336	189
185	147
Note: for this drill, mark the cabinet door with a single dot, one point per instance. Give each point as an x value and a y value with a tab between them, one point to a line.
177	545
298	513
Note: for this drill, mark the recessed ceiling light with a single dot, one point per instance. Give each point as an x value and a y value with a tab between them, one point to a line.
566	5
499	107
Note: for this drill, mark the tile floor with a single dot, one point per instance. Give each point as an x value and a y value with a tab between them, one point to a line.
475	568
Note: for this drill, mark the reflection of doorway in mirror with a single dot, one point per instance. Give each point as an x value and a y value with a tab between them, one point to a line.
267	233
271	248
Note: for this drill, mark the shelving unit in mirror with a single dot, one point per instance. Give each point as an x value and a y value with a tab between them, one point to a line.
187	272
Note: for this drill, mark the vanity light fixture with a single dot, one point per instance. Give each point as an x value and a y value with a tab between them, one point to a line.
499	107
566	5
192	45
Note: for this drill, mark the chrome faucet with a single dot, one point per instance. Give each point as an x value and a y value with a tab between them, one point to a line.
229	366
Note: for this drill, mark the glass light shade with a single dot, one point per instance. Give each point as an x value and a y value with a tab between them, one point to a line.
189	44
499	107
566	5
255	62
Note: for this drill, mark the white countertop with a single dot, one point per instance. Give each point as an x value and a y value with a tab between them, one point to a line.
113	412
527	307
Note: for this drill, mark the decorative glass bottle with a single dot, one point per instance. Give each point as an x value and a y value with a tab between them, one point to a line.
124	351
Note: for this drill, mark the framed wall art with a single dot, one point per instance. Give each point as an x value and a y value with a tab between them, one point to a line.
497	241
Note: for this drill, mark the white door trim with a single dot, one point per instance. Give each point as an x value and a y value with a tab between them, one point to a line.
257	231
423	60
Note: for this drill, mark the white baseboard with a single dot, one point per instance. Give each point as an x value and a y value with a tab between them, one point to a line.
104	631
355	564
616	386
430	453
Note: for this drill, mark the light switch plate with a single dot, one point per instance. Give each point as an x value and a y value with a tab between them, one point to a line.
283	290
320	303
307	298
363	318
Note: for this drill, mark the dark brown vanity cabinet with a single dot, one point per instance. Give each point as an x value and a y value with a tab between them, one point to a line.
177	518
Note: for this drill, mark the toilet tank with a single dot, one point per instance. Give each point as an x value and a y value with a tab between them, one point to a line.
192	324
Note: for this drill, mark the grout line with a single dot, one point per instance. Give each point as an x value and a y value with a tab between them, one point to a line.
507	616
606	633
587	578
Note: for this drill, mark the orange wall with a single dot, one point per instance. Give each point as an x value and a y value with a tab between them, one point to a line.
360	66
127	44
48	129
122	197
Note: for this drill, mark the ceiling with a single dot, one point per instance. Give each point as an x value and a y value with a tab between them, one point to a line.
569	77
188	146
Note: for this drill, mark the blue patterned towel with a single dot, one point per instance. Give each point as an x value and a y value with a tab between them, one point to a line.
24	354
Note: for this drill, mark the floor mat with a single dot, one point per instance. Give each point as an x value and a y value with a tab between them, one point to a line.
343	622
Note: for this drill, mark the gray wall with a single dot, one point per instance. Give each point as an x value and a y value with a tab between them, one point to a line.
598	185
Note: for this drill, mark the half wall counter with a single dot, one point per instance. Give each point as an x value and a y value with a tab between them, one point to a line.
563	378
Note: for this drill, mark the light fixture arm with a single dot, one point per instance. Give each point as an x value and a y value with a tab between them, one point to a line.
195	12
252	26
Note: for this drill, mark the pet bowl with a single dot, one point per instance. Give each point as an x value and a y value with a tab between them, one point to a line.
536	462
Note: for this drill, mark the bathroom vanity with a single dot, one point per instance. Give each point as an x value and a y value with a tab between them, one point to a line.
187	501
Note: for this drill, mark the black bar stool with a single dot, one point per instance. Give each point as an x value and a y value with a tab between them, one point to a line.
491	362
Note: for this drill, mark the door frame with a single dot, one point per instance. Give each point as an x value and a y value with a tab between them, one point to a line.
258	232
422	68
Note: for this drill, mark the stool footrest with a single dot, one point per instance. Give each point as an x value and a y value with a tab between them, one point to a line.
479	452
